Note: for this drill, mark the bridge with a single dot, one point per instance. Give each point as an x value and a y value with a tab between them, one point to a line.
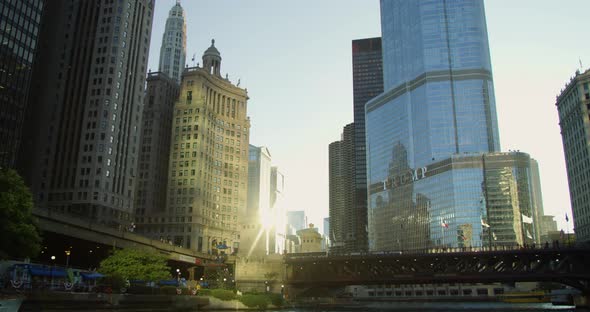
65	229
569	266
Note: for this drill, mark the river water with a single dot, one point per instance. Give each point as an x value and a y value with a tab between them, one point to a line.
444	307
410	306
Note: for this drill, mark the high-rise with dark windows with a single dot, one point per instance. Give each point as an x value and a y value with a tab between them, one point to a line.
367	79
162	92
89	102
173	50
20	21
435	176
348	229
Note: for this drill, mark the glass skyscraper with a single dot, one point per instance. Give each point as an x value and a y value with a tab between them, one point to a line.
437	78
430	132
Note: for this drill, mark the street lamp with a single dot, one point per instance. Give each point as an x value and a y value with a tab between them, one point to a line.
178	272
68	252
52	266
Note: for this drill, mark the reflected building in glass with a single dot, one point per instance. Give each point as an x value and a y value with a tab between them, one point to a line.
435	174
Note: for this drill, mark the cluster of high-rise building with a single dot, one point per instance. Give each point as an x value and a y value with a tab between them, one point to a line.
425	144
168	157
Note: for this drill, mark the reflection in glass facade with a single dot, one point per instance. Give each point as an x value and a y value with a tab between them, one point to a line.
434	174
469	200
437	79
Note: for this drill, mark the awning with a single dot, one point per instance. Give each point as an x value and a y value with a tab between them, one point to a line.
91	275
47	271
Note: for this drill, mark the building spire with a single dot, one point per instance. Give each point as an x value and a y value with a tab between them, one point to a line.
177	2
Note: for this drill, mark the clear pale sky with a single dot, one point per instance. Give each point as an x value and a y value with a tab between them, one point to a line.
294	57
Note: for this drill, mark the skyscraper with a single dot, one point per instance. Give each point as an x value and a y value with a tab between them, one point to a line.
348	228
154	152
367	79
296	221
208	164
573	106
173	50
279	210
435	176
258	220
442	88
89	107
19	34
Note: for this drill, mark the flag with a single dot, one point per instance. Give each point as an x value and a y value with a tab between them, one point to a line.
484	224
566	218
526	219
494	235
194	57
528	234
444	224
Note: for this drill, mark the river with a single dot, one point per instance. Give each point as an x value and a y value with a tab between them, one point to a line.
445	307
405	306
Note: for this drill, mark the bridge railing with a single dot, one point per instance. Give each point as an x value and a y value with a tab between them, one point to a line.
434	250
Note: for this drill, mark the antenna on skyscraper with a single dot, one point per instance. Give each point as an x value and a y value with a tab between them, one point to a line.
194	55
581	66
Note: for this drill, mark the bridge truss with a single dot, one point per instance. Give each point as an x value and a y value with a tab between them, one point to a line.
569	266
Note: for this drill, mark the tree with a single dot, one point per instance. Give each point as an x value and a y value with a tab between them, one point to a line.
20	237
136	264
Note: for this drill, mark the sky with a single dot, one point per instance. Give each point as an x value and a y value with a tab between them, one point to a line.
294	58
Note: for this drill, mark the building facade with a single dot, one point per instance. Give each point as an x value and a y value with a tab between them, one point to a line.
89	104
435	176
161	94
296	221
258	222
467	200
278	238
573	107
348	229
548	225
208	165
173	50
327	233
537	200
311	240
20	23
367	82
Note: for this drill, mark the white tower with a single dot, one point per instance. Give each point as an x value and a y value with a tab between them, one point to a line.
173	50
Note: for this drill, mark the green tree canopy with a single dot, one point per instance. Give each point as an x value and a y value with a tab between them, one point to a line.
20	237
136	264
